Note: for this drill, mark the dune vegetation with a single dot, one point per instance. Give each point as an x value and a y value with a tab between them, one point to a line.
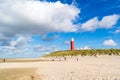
93	52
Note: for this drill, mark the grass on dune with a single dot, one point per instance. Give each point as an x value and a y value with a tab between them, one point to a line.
93	52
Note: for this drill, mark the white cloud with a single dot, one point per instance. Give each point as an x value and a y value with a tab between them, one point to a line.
22	45
90	25
20	41
85	48
20	17
109	21
67	42
18	46
117	31
36	17
109	42
106	22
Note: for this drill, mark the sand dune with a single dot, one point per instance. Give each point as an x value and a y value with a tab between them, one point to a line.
86	68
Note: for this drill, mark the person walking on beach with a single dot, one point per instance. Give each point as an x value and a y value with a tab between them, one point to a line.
77	59
53	60
65	58
3	60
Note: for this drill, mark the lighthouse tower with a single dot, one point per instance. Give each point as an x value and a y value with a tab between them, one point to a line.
72	44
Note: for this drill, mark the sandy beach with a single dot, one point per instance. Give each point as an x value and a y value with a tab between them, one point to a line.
86	68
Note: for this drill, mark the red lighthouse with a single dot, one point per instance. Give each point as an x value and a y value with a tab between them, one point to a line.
72	44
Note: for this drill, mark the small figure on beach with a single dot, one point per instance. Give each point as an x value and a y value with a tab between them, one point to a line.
65	58
3	60
77	59
53	60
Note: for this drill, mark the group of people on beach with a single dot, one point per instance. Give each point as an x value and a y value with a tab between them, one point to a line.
64	59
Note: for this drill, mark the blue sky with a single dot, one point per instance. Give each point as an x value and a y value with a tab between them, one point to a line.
31	28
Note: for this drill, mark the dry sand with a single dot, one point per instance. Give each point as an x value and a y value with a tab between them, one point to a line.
86	68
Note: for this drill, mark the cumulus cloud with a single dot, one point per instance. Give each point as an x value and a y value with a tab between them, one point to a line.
36	17
85	48
109	21
90	25
109	42
106	22
19	45
20	41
